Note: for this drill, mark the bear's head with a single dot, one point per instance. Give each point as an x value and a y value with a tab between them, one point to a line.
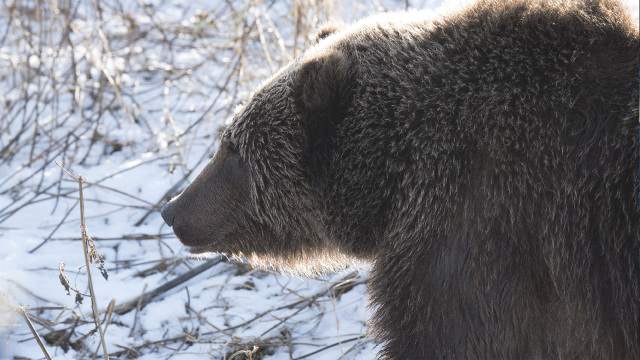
262	194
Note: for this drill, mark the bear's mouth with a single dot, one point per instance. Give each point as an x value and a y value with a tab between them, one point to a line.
201	247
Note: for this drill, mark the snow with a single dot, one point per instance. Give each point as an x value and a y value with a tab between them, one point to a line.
133	147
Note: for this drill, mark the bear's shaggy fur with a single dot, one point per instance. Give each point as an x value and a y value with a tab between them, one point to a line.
484	162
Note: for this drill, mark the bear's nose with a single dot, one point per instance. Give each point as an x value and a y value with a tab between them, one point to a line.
167	213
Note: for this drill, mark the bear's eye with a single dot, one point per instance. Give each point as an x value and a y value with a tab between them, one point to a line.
231	151
231	148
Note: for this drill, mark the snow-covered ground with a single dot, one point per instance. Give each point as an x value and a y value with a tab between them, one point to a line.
132	94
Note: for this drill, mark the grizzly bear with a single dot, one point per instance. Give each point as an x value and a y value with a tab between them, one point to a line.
484	162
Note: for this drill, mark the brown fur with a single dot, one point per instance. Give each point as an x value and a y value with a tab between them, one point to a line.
485	162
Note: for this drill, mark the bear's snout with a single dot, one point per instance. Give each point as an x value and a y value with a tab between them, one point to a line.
214	205
168	214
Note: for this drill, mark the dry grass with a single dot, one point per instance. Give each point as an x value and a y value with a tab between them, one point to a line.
86	74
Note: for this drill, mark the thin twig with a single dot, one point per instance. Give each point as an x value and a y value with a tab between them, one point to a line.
107	321
85	248
149	296
135	316
328	347
247	353
23	311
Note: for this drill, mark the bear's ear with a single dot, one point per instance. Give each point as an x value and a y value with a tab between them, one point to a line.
327	29
324	89
323	84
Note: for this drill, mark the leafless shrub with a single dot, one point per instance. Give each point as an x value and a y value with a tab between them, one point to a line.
90	79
